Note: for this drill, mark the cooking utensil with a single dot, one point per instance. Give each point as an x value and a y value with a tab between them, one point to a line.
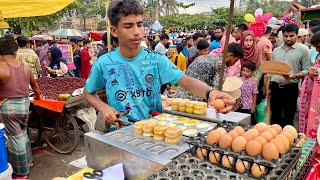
123	113
96	174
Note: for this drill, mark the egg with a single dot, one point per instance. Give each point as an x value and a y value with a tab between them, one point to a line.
222	130
201	153
234	134
300	143
248	136
214	158
267	135
239	144
277	127
239	129
261	140
289	136
284	140
213	137
225	141
261	127
253	148
254	132
218	104
279	144
257	170
272	131
227	161
241	166
303	135
270	151
292	130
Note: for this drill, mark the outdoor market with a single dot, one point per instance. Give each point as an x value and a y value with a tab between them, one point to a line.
159	89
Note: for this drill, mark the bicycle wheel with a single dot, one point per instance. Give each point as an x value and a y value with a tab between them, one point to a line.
62	133
34	128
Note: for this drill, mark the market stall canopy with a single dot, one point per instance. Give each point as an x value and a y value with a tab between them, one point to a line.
29	8
69	33
96	36
43	36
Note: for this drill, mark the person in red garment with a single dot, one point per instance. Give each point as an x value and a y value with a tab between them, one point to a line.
85	59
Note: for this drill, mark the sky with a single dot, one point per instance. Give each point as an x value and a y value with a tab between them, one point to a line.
204	5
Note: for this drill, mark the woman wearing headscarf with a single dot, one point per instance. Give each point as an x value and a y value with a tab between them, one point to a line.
43	56
248	45
56	68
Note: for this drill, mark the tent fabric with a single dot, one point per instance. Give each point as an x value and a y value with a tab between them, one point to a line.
29	8
96	36
52	105
69	32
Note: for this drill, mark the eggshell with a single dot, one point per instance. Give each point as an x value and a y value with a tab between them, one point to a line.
201	153
289	136
213	137
272	131
261	140
253	148
267	135
241	166
292	130
303	135
257	170
254	132
300	143
214	158
279	144
234	134
277	127
261	127
227	161
239	129
270	151
239	144
222	130
225	141
284	140
248	136
218	104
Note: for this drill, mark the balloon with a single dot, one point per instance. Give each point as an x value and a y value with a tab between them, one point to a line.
258	28
258	12
259	19
249	18
267	17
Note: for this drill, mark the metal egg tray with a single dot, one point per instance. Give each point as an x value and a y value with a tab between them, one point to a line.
158	147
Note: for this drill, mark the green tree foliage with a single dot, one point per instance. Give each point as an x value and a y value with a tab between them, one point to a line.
168	7
185	6
277	8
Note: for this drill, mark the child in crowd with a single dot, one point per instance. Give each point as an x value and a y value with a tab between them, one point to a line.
179	59
249	90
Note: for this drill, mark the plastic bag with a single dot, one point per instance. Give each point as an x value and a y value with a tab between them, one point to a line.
261	110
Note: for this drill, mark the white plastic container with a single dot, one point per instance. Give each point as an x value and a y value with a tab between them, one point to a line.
7	174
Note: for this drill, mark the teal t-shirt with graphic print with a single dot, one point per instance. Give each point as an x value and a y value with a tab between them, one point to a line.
133	83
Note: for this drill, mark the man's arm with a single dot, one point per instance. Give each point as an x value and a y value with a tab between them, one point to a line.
34	85
253	108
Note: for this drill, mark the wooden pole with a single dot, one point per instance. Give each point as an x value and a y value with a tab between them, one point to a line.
108	26
226	45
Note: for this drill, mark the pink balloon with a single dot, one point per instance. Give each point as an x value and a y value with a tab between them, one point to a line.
267	17
258	12
259	19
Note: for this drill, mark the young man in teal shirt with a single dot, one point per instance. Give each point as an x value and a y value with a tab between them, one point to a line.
133	75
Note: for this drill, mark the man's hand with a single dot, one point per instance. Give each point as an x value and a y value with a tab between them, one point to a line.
268	93
289	77
1	102
253	109
313	72
109	115
228	100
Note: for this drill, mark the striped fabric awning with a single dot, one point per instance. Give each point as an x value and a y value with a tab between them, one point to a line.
69	33
29	8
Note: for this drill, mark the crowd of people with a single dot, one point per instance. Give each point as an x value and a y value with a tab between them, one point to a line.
136	68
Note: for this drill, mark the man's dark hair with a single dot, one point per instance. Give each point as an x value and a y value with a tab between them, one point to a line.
315	38
242	27
74	40
119	8
290	28
213	37
315	29
314	22
250	65
202	44
236	50
101	45
196	36
268	30
164	36
114	39
105	38
22	41
40	44
8	46
179	48
53	42
188	38
86	41
222	29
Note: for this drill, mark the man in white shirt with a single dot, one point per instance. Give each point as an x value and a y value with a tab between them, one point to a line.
161	46
302	37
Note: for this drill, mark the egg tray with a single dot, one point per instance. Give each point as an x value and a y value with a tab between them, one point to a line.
199	141
304	170
171	120
158	147
189	167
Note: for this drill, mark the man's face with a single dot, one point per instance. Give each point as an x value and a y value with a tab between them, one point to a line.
272	40
219	33
190	42
100	48
199	38
237	34
304	39
129	31
88	46
289	38
203	51
80	43
231	59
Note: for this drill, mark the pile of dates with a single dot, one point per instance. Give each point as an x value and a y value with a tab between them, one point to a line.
51	87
